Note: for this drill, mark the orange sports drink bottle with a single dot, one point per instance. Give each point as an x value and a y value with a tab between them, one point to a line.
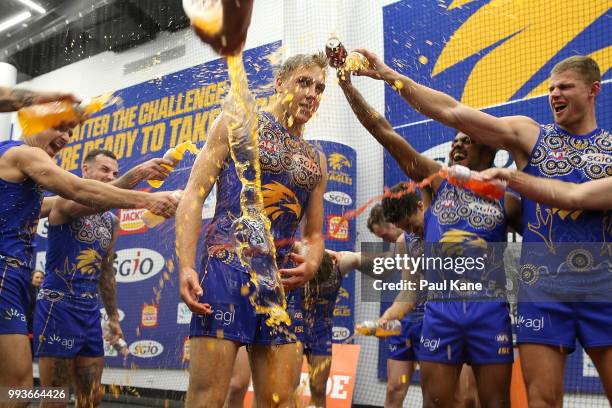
461	176
36	118
175	155
371	328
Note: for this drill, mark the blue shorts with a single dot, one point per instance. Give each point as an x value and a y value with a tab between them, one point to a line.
14	297
405	346
233	316
318	340
466	332
67	327
561	323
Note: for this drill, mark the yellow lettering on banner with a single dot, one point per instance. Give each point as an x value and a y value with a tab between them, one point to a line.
124	118
74	157
198	127
163	109
209	95
186	127
157	137
100	125
131	138
189	100
220	92
174	124
146	132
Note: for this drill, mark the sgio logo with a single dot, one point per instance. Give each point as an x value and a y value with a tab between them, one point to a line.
340	333
137	264
146	348
338	197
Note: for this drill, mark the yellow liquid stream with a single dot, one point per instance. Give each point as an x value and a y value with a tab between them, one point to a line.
254	243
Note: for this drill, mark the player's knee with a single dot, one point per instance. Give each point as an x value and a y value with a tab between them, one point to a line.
395	388
238	388
540	397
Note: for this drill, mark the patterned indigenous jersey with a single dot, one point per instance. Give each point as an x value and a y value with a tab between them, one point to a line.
19	213
290	171
461	224
75	253
585	266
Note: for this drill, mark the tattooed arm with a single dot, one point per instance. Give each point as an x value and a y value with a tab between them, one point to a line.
108	290
15	99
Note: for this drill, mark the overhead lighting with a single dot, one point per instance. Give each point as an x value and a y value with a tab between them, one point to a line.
33	6
16	19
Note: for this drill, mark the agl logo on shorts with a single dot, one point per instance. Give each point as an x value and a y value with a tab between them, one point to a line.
146	348
137	264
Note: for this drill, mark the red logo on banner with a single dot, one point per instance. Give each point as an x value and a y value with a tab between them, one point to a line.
130	221
148	316
333	232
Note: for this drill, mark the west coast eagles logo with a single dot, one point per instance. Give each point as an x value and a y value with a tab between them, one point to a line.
337	163
279	200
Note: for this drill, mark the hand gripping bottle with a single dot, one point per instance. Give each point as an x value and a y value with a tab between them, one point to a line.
175	155
120	345
371	328
36	118
207	15
152	220
339	58
461	176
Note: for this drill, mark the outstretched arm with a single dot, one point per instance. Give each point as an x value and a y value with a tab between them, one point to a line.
415	165
189	213
517	134
15	99
592	195
37	165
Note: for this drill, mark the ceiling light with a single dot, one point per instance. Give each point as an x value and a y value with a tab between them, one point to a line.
33	6
16	19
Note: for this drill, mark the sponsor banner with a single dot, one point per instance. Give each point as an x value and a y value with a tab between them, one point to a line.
130	221
146	348
137	264
340	197
341	380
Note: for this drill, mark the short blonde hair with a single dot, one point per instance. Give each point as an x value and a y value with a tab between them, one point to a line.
301	60
586	67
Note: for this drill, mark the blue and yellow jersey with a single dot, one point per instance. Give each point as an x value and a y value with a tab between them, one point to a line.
461	224
548	232
75	253
19	213
290	170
